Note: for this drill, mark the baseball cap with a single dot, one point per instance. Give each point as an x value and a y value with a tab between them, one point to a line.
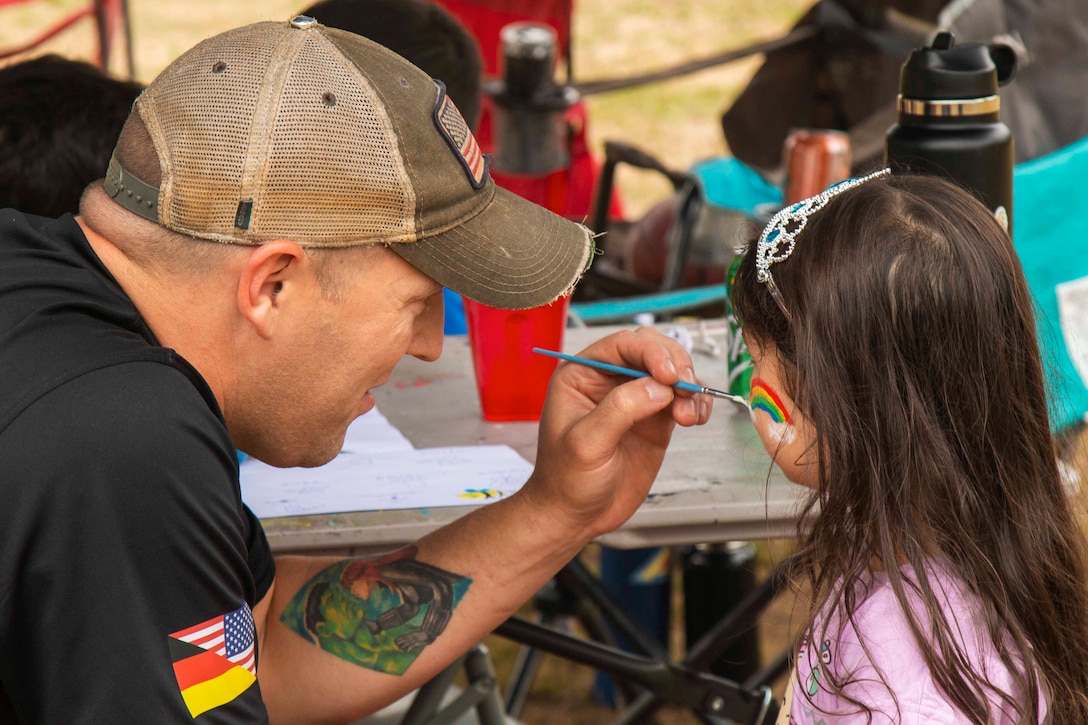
294	130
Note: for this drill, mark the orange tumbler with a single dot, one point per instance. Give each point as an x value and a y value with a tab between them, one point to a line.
815	159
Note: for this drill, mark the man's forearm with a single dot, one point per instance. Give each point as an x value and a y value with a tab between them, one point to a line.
379	612
332	625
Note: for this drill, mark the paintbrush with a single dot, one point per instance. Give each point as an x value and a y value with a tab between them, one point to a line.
692	387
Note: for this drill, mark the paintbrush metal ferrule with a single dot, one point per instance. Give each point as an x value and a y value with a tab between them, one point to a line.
728	396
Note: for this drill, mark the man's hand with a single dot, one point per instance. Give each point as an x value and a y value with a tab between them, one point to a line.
603	436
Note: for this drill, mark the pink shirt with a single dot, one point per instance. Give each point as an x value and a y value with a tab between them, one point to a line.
893	652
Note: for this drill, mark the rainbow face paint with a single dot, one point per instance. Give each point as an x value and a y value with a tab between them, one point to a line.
779	430
763	397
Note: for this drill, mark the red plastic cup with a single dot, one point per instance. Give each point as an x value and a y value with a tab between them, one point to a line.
511	379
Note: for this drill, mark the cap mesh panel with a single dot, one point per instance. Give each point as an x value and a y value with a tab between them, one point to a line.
334	173
203	165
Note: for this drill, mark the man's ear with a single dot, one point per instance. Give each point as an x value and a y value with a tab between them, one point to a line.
272	271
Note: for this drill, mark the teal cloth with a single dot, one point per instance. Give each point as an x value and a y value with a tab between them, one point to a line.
730	183
662	303
1050	233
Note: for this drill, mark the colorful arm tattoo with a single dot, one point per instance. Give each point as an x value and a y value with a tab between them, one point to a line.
378	613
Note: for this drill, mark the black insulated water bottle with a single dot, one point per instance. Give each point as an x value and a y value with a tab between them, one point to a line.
950	119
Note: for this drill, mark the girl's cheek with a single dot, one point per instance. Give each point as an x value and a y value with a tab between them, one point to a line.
781	433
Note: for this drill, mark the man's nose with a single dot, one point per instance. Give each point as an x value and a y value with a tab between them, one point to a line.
427	342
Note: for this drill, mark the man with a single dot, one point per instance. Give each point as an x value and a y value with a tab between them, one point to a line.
284	205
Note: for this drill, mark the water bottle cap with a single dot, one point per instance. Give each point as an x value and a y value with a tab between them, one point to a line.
529	40
944	72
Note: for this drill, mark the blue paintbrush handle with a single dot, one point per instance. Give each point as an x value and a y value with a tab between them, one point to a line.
608	367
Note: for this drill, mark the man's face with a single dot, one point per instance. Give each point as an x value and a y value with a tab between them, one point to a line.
330	353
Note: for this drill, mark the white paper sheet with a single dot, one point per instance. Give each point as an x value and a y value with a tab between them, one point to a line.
1073	310
378	469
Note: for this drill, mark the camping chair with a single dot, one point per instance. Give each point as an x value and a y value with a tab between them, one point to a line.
442	702
110	18
567	191
673	260
647	676
711	212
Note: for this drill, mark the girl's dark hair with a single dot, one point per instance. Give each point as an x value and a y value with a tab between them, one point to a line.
912	350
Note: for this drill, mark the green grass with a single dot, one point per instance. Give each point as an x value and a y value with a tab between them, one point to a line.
677	121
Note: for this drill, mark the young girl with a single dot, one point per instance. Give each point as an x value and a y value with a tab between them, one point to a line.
896	373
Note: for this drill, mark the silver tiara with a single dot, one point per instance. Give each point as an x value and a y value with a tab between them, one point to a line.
779	237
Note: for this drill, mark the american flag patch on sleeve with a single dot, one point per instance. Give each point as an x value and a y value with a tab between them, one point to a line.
458	135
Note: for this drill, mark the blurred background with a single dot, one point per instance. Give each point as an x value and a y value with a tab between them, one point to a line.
677	121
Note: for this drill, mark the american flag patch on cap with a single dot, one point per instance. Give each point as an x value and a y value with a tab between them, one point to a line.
460	138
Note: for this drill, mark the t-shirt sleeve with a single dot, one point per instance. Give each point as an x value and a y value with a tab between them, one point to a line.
130	564
262	566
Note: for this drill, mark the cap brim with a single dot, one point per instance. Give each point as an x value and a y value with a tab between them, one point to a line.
512	255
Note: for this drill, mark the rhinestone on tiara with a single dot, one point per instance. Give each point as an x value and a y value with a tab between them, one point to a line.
779	237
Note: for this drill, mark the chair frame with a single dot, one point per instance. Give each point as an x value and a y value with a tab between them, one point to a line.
110	16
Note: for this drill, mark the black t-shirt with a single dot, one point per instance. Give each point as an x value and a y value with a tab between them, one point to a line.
126	552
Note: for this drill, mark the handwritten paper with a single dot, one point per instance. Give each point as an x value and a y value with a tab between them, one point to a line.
378	469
